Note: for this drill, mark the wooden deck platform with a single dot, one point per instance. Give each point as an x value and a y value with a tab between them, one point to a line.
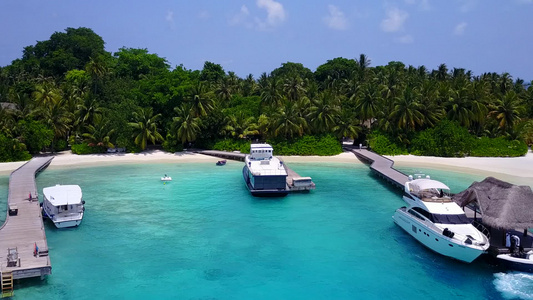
380	165
23	228
291	174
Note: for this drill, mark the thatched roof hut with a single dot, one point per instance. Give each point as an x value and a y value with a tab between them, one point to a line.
502	204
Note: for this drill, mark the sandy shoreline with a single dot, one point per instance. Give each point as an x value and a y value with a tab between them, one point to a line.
518	170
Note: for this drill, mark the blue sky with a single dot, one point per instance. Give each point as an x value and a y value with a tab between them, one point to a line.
255	36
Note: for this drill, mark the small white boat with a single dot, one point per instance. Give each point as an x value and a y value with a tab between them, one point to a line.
166	178
519	261
437	222
63	204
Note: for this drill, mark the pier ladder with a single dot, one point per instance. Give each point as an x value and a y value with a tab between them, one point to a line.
7	284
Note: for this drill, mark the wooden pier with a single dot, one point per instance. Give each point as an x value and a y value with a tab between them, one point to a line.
382	166
224	154
23	246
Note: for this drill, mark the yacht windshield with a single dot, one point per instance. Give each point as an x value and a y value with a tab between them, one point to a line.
450	219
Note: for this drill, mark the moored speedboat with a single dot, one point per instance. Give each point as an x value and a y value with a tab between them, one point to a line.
263	173
221	163
439	223
63	204
517	261
166	178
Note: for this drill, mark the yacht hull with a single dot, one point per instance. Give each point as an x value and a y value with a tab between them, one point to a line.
433	240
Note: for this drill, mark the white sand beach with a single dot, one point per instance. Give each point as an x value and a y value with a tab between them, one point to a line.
518	170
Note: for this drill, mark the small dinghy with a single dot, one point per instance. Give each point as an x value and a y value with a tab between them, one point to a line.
166	178
221	162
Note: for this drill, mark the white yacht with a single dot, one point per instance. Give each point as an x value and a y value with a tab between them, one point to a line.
437	222
63	204
263	173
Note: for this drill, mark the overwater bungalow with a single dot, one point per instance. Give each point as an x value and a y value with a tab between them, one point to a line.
507	211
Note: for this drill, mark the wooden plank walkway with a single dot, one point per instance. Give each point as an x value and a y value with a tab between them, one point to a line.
380	165
224	154
25	229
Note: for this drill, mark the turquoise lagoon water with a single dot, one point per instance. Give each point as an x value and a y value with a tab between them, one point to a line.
203	236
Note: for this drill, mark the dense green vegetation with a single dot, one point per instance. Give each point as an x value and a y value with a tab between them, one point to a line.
69	91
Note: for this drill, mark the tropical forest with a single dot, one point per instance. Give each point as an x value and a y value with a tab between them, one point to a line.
69	93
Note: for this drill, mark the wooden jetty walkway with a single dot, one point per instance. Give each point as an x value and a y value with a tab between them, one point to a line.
23	246
381	166
291	175
224	154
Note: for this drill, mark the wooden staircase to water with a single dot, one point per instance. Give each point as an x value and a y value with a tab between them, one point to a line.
7	284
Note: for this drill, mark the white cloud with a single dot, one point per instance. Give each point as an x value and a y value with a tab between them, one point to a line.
241	17
170	19
275	12
275	15
204	15
460	28
335	19
406	39
467	5
394	21
422	5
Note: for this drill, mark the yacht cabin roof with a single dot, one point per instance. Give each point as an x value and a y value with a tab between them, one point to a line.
63	194
427	184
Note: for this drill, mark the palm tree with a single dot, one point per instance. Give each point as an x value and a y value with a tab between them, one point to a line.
224	89
97	70
288	122
46	94
58	118
347	126
145	127
324	112
99	133
293	87
407	110
248	86
200	100
240	125
369	101
428	103
442	72
87	111
458	107
507	110
270	95
185	125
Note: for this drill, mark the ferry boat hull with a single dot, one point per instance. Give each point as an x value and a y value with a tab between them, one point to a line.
63	205
433	240
73	222
264	192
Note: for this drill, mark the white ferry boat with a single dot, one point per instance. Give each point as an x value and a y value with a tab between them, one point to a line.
63	204
437	222
263	173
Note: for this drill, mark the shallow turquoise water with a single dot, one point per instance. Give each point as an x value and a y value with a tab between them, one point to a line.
202	236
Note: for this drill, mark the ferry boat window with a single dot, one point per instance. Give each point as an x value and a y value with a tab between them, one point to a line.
451	219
